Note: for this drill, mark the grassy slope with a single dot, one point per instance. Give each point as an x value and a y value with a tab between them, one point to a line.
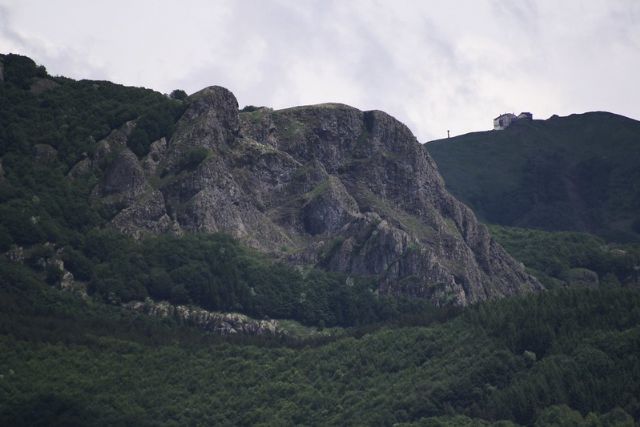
580	172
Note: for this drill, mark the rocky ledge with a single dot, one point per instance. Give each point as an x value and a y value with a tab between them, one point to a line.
213	321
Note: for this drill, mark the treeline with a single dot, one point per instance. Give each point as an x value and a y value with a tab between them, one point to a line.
72	115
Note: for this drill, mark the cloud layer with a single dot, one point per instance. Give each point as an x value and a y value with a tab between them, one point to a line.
435	65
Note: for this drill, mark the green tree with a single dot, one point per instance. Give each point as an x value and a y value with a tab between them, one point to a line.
178	94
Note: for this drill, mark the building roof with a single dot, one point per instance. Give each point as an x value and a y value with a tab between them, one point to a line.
505	114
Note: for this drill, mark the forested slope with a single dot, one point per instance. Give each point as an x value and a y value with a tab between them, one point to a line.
352	355
65	361
574	173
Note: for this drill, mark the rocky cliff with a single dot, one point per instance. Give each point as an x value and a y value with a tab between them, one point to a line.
325	185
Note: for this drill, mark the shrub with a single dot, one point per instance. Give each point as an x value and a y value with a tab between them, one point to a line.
193	157
178	94
249	109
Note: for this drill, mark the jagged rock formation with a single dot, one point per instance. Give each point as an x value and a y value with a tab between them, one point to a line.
325	185
217	322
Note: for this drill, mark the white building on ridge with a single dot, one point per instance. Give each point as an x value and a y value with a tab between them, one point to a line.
504	120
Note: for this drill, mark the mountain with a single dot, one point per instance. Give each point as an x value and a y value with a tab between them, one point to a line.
574	173
135	227
326	185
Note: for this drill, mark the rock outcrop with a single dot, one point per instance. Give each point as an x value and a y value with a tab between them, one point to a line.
325	185
213	321
44	154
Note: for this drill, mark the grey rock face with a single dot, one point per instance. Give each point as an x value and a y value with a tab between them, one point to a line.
44	153
124	176
41	85
346	190
151	161
67	281
116	141
145	215
213	321
210	121
329	208
80	169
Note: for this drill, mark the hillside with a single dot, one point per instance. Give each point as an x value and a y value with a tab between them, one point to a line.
319	188
574	173
569	258
173	260
566	357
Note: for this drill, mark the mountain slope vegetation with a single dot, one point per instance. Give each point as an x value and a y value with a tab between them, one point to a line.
111	194
574	173
569	258
555	357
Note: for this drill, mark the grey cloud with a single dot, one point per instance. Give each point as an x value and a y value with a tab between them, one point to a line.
433	65
6	31
64	61
624	19
524	12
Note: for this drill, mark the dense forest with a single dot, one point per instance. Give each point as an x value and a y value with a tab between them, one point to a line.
564	357
567	356
571	258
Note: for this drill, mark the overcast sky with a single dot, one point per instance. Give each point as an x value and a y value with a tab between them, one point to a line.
435	65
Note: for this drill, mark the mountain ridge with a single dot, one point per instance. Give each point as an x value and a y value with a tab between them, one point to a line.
574	173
